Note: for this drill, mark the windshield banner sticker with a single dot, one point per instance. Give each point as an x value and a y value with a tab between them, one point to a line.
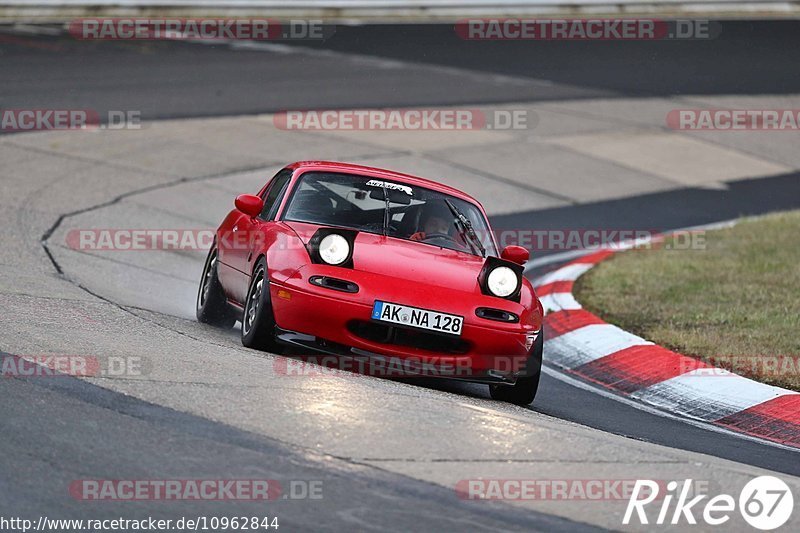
378	183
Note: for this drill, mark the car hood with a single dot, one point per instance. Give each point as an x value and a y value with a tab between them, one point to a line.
408	260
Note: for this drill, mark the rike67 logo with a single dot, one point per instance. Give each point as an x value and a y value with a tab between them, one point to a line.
766	503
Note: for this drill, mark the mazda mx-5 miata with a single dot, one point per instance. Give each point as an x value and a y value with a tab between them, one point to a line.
352	261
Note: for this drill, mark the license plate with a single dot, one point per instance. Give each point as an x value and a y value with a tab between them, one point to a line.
417	318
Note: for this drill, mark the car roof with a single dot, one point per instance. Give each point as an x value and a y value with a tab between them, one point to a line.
350	168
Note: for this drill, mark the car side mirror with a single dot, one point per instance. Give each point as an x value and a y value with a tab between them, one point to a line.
249	204
515	254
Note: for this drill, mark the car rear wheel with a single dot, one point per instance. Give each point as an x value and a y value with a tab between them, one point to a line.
524	390
212	305
258	320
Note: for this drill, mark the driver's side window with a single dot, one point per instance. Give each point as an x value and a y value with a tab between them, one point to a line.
274	194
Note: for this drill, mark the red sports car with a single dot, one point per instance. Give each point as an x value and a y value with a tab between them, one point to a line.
358	262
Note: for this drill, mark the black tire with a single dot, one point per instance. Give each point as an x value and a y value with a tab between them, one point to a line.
524	390
258	320
212	304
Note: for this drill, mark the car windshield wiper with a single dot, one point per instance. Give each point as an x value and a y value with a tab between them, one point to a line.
465	228
385	210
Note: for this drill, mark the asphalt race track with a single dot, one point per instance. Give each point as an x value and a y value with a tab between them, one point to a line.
388	454
167	80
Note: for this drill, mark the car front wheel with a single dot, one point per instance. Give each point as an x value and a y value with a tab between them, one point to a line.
258	321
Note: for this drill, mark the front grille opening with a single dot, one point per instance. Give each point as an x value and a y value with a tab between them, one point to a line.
402	336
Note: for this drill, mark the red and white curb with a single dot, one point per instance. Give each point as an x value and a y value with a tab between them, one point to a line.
582	344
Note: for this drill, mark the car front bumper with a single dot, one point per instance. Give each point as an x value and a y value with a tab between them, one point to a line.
323	321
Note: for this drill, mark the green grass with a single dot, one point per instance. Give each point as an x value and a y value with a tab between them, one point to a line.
739	297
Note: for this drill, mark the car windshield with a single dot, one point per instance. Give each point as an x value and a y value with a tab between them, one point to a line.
415	213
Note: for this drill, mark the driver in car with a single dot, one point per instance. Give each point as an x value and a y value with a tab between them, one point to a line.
435	220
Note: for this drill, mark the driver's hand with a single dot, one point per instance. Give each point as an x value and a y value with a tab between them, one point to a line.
418	236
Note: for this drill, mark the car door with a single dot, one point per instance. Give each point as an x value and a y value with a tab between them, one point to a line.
248	234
